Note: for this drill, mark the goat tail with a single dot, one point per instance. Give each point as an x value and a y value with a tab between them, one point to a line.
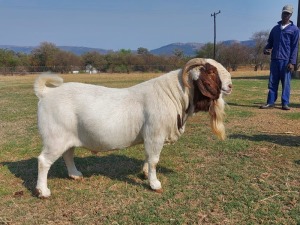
46	80
217	114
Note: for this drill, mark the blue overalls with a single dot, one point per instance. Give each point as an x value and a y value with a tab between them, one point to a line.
284	45
279	72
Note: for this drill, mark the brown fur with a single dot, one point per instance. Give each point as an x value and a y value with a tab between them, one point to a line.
207	88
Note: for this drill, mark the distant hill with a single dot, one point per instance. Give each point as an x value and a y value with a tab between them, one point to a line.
82	50
22	49
73	49
188	49
249	43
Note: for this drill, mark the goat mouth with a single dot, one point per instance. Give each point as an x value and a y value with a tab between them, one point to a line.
226	92
227	89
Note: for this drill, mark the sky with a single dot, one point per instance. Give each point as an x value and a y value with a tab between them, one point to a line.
131	24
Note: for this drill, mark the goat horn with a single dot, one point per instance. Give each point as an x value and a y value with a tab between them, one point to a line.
188	66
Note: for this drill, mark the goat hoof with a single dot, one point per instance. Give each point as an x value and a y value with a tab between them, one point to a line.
159	191
40	195
76	177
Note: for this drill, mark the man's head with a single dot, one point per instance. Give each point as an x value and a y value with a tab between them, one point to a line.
288	8
286	14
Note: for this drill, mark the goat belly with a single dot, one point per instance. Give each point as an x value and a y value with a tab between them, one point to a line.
108	144
107	136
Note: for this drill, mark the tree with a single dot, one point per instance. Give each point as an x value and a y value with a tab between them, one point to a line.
124	61
178	53
143	51
207	51
231	56
259	59
66	62
95	59
9	61
24	59
43	57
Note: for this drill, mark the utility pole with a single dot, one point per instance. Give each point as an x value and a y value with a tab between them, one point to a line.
214	15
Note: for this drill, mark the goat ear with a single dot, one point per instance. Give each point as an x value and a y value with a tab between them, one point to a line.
188	66
209	82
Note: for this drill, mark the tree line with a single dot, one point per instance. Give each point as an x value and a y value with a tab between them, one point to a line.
48	57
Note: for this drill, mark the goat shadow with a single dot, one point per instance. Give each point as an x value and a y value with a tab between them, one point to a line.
262	77
115	167
258	104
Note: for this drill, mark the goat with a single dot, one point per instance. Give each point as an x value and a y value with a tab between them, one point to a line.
99	118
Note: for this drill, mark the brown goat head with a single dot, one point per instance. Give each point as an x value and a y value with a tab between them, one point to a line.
207	88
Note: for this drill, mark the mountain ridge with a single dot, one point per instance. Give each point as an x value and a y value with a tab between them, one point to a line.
188	49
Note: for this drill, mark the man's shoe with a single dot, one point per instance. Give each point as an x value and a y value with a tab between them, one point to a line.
267	106
285	107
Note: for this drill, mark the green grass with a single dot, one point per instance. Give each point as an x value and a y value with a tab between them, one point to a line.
253	177
292	116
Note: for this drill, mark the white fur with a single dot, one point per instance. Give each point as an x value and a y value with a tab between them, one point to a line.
100	118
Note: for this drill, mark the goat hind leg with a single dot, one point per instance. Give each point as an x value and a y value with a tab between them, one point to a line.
146	168
45	160
69	160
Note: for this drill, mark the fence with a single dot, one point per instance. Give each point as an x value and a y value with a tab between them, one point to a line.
24	70
112	68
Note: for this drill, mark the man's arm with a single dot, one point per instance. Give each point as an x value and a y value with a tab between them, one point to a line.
269	46
294	47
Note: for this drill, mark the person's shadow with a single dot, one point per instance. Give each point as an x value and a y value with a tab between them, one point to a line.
116	167
284	140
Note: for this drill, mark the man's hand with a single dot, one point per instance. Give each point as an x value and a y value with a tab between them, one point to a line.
267	51
291	67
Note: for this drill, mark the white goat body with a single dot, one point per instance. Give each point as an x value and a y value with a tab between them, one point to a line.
100	118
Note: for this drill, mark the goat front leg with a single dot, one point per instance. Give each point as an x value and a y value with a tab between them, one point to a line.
152	155
155	184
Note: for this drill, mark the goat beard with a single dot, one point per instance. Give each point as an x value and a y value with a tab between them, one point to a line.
216	111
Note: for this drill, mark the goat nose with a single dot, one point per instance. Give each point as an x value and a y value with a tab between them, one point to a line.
230	86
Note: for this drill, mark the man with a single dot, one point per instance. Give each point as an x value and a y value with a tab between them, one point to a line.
283	47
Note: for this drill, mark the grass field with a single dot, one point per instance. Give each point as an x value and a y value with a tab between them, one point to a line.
251	178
